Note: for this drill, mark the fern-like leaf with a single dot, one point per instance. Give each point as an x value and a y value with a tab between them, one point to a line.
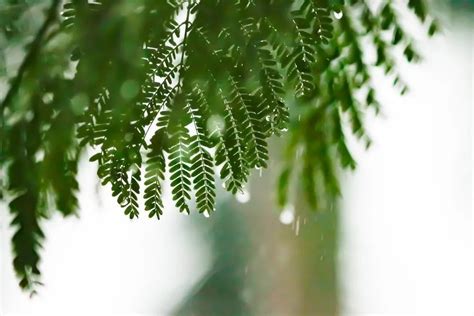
154	177
179	166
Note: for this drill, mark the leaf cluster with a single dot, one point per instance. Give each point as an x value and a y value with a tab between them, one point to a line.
185	91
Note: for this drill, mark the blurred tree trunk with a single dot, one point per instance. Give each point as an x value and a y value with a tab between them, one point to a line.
263	267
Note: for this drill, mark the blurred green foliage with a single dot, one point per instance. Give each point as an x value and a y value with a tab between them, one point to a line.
184	88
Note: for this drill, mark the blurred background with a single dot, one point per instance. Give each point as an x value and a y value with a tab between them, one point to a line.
399	243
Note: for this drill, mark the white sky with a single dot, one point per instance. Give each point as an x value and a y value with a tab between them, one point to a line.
407	245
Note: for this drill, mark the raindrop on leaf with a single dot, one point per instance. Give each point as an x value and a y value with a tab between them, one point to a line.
287	216
243	196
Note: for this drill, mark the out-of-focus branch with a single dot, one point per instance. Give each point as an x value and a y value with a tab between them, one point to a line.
32	53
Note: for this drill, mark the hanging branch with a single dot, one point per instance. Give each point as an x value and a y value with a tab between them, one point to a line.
242	72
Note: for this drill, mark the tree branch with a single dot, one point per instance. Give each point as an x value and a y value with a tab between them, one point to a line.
32	54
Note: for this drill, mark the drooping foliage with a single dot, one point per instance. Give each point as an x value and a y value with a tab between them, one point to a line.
184	91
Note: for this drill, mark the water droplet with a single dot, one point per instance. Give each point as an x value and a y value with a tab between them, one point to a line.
128	137
48	97
29	115
287	216
242	196
133	168
338	14
260	170
215	123
79	102
39	155
139	9
268	118
224	186
206	214
129	89
299	152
